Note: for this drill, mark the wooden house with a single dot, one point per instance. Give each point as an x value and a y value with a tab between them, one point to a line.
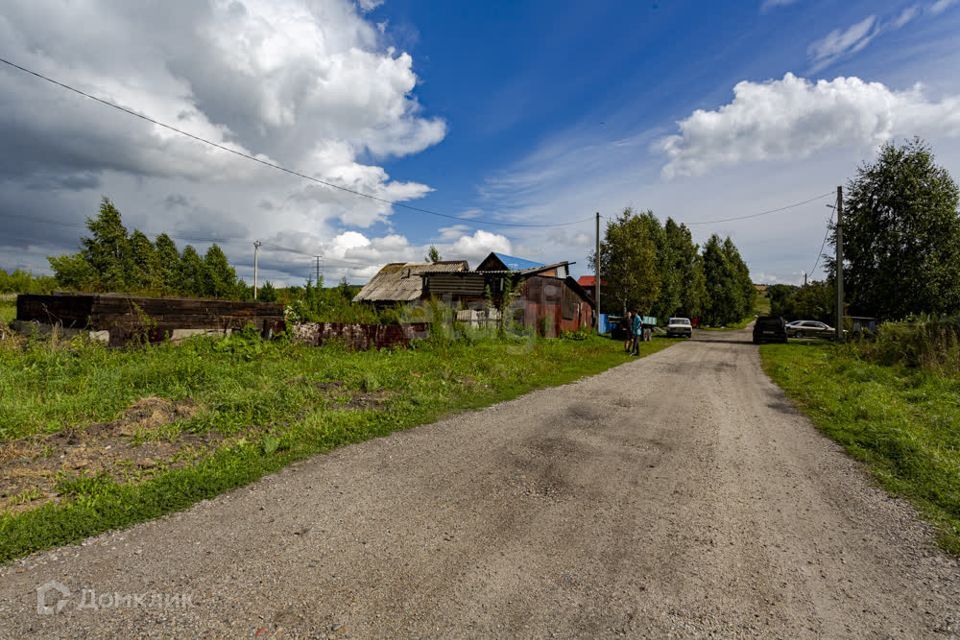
541	296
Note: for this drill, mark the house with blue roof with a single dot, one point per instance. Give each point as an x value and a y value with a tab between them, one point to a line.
543	297
500	262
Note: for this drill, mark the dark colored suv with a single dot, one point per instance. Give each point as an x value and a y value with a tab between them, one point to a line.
769	329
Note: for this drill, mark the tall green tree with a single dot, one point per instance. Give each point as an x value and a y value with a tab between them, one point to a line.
901	235
168	264
193	280
746	292
694	296
726	277
628	260
668	264
107	249
433	255
144	274
683	287
220	279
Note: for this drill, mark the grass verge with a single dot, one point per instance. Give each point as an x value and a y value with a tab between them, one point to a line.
8	311
254	407
903	423
731	327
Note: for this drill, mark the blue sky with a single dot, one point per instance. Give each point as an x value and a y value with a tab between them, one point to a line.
528	74
529	112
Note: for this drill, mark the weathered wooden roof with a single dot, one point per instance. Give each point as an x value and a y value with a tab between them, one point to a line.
401	281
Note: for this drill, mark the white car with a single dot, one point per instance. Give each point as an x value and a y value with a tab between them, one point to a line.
679	327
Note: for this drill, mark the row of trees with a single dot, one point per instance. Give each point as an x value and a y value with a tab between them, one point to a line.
658	269
20	281
813	301
112	259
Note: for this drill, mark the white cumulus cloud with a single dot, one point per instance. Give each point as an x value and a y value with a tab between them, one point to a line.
308	84
476	246
794	117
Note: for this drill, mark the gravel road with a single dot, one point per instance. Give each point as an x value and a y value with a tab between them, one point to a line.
678	495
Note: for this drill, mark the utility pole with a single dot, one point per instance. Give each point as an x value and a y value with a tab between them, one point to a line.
596	274
317	281
256	266
839	264
804	278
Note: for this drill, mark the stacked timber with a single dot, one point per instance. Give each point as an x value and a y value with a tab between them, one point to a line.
122	319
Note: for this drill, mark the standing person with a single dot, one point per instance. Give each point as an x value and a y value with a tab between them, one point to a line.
627	325
647	332
636	330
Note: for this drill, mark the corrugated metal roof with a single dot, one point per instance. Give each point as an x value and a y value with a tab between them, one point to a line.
401	281
510	263
517	264
532	270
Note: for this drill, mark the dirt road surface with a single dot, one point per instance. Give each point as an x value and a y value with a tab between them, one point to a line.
676	496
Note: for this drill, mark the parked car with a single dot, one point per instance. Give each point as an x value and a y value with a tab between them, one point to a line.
679	327
769	329
810	329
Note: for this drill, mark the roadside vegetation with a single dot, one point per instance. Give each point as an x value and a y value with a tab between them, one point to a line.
761	307
890	398
8	310
93	438
891	402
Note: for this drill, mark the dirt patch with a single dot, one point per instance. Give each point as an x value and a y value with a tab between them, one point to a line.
342	397
132	448
369	400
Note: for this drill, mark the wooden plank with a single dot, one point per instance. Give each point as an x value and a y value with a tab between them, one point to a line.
69	311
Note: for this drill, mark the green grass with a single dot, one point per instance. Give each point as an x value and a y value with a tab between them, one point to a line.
8	311
737	326
903	423
761	305
272	401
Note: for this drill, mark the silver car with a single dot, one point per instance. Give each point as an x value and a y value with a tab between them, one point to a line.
809	329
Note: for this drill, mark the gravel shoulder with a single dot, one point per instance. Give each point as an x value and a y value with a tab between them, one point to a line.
679	495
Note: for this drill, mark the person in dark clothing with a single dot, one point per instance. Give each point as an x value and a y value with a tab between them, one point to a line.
636	330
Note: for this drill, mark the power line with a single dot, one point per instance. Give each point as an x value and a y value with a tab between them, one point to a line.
762	213
822	245
266	163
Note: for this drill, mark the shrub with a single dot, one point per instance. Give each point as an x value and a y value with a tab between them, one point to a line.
923	342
